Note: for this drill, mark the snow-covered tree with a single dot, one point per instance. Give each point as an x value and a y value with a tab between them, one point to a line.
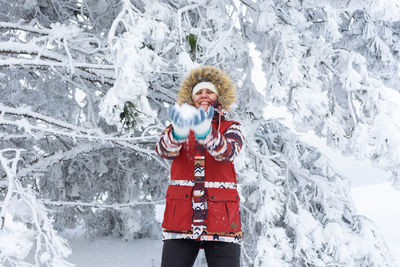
84	93
335	65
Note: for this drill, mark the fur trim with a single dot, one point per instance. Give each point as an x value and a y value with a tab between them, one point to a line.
221	80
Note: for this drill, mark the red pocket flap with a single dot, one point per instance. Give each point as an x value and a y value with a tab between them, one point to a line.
179	192
223	194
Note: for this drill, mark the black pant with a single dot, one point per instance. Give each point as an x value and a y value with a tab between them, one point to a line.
183	253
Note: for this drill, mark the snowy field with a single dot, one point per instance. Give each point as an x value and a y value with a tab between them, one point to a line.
115	252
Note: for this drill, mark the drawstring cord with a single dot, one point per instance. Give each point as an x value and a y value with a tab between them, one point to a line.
219	117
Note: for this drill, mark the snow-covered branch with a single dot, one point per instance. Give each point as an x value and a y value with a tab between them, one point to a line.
179	20
63	128
251	4
16	26
335	81
48	58
56	59
47	161
114	206
19	208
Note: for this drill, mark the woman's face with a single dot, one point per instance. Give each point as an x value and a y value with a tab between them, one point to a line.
204	98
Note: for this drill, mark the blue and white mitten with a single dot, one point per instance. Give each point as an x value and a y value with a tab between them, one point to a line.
201	123
180	125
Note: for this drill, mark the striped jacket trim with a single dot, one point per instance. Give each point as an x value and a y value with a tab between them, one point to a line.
237	238
206	184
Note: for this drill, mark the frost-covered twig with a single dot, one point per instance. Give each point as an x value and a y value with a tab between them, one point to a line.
149	152
64	128
126	10
116	206
49	58
11	173
45	162
15	26
33	49
251	5
21	207
55	63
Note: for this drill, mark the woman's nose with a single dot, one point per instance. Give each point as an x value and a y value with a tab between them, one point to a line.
204	93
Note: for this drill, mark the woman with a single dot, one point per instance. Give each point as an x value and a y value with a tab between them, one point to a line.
202	209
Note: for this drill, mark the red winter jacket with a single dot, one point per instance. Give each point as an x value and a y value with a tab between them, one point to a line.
202	199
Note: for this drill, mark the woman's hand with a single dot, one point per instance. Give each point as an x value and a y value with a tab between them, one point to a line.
180	124
186	118
201	122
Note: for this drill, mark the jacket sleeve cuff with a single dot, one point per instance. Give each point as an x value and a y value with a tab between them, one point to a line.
177	136
176	139
209	138
202	136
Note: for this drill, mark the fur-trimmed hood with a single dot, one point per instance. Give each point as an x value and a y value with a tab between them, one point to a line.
221	80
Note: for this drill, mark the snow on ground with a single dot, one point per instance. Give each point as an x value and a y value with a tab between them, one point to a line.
380	203
114	252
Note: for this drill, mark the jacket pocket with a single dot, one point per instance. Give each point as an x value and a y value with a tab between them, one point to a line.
178	209
223	210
